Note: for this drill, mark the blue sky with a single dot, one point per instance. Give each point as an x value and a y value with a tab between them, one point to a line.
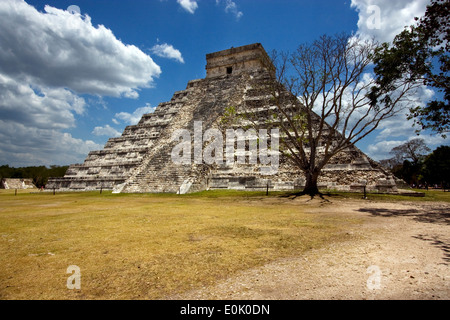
69	80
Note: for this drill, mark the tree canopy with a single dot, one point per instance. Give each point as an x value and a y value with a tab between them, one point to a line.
420	53
39	174
413	150
436	167
414	162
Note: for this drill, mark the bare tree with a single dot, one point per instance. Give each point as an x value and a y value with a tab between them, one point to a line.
320	101
415	150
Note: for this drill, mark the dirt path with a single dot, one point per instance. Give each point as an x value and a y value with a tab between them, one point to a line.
401	251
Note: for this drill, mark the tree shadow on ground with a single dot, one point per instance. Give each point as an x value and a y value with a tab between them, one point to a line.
296	195
435	241
439	215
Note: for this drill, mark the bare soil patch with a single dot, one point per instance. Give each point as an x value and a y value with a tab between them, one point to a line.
400	251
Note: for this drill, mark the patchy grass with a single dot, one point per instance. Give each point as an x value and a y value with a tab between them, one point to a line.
142	246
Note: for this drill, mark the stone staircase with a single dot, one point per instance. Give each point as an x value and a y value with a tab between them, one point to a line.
203	101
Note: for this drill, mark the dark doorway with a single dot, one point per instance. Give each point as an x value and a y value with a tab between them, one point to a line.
229	70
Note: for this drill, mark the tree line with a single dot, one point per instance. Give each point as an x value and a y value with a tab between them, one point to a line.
39	174
414	163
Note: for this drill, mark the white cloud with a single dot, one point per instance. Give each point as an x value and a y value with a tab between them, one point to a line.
231	7
384	19
188	5
167	51
382	149
397	130
133	118
47	60
399	126
106	131
60	49
22	145
40	107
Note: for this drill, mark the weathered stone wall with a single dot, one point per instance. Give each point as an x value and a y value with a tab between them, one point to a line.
237	60
7	183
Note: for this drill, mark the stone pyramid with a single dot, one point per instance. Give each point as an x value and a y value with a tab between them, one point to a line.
140	161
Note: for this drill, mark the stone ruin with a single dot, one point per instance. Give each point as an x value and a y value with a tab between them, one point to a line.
140	160
20	184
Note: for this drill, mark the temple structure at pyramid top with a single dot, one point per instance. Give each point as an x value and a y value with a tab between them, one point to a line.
235	61
141	159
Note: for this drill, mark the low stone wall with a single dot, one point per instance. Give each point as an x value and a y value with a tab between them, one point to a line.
373	180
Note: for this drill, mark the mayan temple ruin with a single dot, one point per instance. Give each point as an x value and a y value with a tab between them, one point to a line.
21	184
140	160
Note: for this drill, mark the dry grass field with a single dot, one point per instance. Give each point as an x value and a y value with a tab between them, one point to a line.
144	246
153	246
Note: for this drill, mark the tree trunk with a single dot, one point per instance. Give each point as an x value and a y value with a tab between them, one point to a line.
311	183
